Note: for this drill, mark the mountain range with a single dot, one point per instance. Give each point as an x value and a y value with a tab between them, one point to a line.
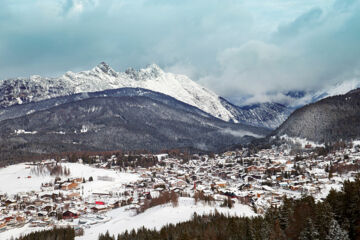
150	109
17	91
125	119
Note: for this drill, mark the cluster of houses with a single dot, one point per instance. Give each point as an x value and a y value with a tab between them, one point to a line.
259	180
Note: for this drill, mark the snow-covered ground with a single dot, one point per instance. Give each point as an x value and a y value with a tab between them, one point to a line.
19	178
17	232
84	171
159	216
302	141
337	185
15	179
122	219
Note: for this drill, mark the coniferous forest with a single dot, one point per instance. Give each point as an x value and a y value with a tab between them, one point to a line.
54	234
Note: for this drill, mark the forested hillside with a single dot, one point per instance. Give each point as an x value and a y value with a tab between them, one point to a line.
328	120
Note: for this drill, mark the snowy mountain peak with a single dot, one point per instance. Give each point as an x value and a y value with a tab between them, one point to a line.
152	71
103	77
154	68
35	78
105	68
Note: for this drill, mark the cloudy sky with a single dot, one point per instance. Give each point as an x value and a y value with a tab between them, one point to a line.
236	48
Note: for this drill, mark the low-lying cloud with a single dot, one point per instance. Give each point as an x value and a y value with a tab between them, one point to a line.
315	50
240	133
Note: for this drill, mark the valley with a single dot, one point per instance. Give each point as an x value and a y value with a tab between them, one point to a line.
95	193
110	154
179	120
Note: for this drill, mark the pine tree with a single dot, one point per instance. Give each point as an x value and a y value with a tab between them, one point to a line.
265	231
277	232
284	213
336	232
250	234
309	232
323	217
331	172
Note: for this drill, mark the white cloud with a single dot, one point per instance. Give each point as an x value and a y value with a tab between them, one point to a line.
239	133
317	49
235	48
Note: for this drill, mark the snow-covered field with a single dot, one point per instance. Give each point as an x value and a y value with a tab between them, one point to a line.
19	178
17	232
122	219
15	179
159	216
119	178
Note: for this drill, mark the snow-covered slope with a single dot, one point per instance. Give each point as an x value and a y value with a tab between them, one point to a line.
22	178
122	220
102	77
268	114
301	98
159	216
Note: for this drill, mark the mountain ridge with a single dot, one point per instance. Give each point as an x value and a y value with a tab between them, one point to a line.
330	119
102	77
120	122
18	91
